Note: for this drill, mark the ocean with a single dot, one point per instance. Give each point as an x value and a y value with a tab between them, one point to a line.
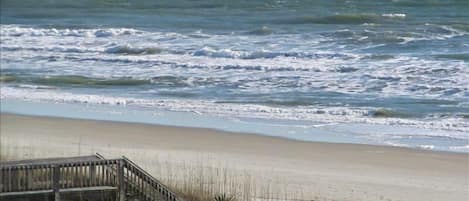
357	71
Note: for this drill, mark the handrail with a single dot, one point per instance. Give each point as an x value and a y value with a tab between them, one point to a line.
41	165
99	156
55	161
171	195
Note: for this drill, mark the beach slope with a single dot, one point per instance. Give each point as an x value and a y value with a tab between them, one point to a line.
323	171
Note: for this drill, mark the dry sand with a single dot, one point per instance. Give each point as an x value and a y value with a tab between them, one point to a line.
323	171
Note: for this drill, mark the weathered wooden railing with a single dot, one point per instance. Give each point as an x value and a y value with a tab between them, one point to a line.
140	184
81	174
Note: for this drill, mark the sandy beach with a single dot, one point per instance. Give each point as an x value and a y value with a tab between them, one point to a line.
310	170
254	100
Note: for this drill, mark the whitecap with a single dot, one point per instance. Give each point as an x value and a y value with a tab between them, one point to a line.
395	15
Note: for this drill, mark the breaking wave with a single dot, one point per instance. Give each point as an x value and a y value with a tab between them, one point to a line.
240	54
17	31
316	114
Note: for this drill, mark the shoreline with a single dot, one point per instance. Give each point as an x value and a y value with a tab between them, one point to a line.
324	171
365	133
221	131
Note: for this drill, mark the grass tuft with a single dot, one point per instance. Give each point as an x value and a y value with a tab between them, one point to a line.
224	197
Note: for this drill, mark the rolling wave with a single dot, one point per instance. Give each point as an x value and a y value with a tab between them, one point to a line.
261	31
87	81
354	18
127	49
93	82
462	56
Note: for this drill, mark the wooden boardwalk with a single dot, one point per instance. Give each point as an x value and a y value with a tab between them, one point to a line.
57	176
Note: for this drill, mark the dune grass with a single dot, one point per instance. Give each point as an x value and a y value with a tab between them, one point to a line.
194	176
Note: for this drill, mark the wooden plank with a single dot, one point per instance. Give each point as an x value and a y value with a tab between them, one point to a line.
45	178
2	180
9	179
115	172
25	193
79	176
17	180
55	181
102	176
106	174
88	174
121	181
94	188
27	174
92	174
76	178
39	184
49	161
66	175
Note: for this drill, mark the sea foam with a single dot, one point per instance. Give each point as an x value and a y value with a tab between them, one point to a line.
315	114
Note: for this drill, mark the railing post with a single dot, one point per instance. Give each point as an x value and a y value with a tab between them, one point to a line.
120	180
92	174
29	178
3	180
14	179
56	182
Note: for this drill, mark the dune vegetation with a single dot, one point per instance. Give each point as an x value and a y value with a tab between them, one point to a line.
198	178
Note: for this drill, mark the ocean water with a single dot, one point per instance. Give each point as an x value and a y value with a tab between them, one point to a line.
365	71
